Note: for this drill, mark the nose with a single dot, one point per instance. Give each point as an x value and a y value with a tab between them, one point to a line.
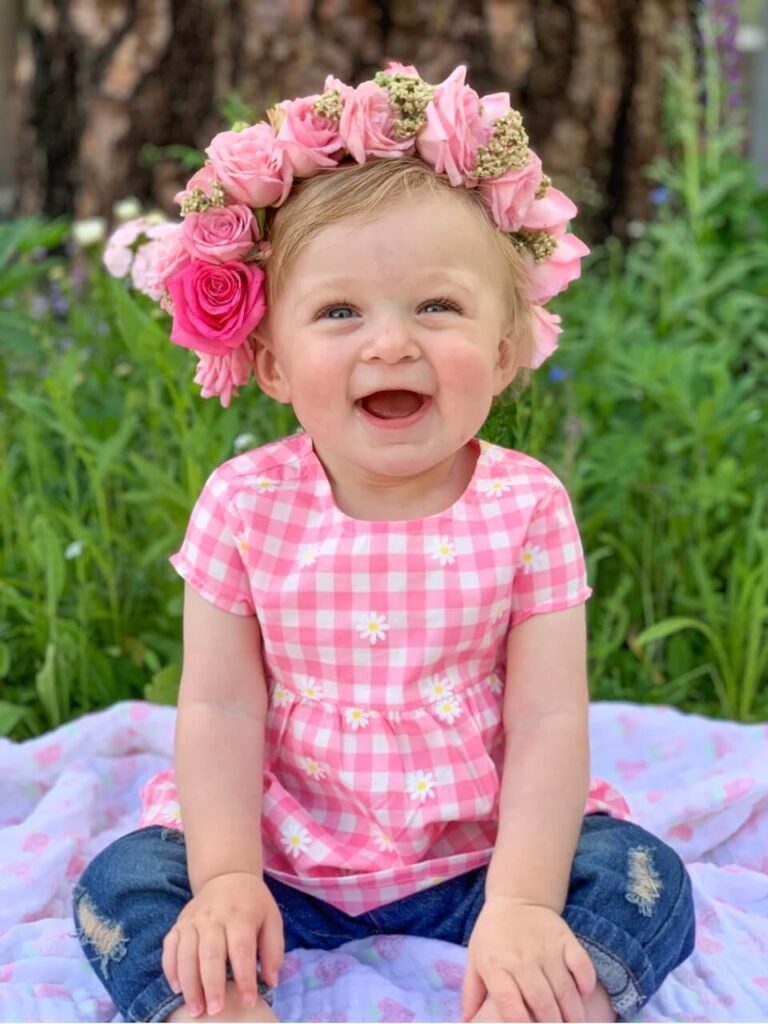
391	340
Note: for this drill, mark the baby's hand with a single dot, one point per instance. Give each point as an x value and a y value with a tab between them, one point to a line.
527	960
228	917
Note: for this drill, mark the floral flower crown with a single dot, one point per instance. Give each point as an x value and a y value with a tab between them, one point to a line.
205	270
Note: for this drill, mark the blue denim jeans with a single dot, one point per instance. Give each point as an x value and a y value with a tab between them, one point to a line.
629	903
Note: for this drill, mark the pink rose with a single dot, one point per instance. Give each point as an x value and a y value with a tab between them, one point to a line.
394	67
552	213
454	130
546	327
308	140
510	195
367	121
159	259
216	305
202	179
220	233
553	275
251	166
221	376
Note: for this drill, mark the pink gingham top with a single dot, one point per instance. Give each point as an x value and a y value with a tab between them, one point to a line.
384	650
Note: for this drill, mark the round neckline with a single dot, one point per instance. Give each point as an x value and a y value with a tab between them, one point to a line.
323	484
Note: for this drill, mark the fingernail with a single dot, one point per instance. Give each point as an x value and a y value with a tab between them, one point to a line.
213	1007
195	1009
249	999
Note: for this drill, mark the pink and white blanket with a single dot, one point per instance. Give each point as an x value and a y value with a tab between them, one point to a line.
700	784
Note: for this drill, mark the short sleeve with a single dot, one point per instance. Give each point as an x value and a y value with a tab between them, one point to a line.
550	573
210	558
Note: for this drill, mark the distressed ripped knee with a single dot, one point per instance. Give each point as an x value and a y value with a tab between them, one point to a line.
106	937
645	885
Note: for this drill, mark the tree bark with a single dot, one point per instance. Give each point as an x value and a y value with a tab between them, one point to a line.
98	79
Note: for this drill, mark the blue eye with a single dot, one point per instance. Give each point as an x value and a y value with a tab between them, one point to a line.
445	303
331	312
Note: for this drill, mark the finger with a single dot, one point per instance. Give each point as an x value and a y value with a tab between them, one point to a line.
168	960
241	947
538	995
505	992
189	970
581	967
566	993
213	965
473	993
271	946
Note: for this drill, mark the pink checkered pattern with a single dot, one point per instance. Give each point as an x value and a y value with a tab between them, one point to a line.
385	658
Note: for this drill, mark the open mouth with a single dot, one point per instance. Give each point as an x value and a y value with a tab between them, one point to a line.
392	405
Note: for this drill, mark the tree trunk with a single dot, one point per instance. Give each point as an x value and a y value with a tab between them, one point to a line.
96	80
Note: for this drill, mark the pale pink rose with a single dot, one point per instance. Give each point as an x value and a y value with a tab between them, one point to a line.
394	67
216	305
367	121
202	179
308	140
510	195
553	275
159	259
454	130
221	376
546	327
552	213
118	252
220	233
251	166
494	106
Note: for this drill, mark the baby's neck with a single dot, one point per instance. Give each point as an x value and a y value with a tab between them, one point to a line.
404	499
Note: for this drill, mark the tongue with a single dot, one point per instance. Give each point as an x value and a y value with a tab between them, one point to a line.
392	405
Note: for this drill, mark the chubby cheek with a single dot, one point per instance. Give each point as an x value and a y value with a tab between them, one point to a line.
320	398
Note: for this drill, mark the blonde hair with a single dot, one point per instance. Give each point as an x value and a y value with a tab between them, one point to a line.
353	190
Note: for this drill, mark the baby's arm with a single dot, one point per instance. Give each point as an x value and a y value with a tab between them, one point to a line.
219	758
520	947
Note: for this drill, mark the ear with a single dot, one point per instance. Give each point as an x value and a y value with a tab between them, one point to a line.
266	366
506	365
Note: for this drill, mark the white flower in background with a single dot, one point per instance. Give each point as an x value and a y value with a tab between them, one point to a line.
89	231
244	441
436	687
73	550
371	626
532	557
448	709
309	554
495	683
281	697
295	838
126	209
310	689
383	841
493	488
442	548
314	768
356	717
420	784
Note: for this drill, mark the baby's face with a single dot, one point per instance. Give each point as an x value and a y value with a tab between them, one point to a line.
410	302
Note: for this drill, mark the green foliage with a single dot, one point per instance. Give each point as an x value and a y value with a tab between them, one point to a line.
652	413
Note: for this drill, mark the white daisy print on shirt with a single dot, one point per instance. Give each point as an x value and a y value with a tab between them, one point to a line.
383	841
281	697
295	838
420	784
533	557
499	610
265	485
448	709
309	555
371	626
436	687
493	488
490	452
310	689
314	768
494	681
242	545
443	549
357	717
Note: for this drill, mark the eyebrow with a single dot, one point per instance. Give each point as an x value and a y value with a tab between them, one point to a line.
435	279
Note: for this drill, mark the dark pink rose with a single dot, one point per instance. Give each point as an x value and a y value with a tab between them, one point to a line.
251	166
216	305
220	233
308	140
510	195
554	274
454	130
367	121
